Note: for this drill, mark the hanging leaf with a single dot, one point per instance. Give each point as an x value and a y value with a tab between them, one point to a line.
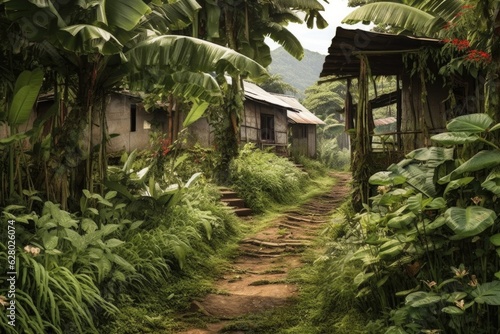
470	221
472	123
124	14
195	113
396	15
487	293
26	91
482	160
492	182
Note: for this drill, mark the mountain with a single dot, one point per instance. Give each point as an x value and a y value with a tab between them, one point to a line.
299	73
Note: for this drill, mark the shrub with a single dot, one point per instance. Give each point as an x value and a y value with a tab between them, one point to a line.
262	178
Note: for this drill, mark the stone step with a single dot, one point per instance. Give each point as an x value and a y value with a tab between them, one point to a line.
243	212
234	202
228	193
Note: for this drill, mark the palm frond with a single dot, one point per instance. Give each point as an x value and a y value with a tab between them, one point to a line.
286	39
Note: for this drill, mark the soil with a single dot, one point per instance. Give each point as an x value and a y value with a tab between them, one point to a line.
257	279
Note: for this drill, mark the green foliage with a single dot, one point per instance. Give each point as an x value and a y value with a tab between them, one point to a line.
332	156
426	246
262	178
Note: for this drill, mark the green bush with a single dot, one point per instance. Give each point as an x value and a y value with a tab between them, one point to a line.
262	178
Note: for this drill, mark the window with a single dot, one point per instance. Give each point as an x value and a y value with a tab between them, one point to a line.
133	118
300	131
267	127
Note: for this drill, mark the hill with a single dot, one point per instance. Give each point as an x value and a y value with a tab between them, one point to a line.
300	74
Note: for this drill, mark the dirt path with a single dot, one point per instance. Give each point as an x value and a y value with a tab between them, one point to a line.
257	279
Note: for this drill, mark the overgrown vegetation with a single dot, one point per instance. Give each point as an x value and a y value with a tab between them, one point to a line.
423	255
262	178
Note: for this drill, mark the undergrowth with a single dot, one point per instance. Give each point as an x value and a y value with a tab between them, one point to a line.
262	178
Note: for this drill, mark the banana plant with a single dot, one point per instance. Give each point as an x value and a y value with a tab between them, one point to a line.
25	93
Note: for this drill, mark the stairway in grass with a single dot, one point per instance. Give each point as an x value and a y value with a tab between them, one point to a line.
231	199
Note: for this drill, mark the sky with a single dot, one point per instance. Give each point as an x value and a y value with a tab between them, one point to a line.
319	40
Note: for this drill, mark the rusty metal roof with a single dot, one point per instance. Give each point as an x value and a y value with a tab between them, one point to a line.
300	114
255	93
384	52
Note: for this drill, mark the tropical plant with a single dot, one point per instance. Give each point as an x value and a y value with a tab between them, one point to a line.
430	234
420	17
97	47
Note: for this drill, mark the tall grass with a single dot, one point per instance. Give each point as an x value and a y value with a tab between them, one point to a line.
262	178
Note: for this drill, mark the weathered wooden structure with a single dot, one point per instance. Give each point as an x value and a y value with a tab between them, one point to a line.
422	96
267	121
302	127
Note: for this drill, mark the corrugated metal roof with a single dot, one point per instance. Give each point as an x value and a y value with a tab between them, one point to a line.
255	93
302	115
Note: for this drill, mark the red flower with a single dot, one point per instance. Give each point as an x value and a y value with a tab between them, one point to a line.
467	7
478	56
460	44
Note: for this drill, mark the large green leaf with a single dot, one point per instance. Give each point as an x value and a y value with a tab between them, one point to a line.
482	160
86	39
472	123
26	91
124	14
386	178
195	113
487	293
470	221
452	310
430	154
422	299
402	221
286	39
176	53
391	248
454	138
394	14
175	15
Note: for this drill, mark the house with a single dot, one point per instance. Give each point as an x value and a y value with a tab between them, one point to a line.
267	121
302	125
128	123
422	96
